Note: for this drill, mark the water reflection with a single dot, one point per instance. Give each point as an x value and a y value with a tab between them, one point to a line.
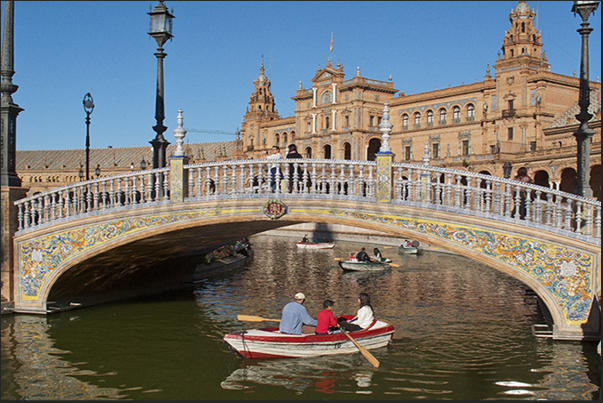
37	369
324	375
462	332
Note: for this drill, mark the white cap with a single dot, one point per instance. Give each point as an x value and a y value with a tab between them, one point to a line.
300	295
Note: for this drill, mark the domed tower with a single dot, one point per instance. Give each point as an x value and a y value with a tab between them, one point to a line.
522	42
261	109
261	102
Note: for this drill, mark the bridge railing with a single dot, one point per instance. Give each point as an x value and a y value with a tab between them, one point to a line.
111	192
412	184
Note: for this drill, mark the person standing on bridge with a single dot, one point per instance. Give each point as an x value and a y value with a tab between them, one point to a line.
522	176
292	153
275	173
295	318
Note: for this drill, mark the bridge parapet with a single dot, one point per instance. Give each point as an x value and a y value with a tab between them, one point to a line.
411	184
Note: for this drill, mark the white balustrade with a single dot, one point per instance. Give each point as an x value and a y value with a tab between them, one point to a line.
426	186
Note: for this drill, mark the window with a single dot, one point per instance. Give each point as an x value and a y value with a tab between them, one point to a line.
371	120
347	151
510	133
442	116
465	147
308	152
378	120
429	118
456	114
417	119
309	127
327	151
407	153
470	112
405	121
347	121
276	138
511	105
327	122
435	150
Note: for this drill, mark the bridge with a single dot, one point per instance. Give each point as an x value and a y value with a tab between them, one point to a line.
85	235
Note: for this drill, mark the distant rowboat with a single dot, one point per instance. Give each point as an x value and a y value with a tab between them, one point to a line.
312	245
362	266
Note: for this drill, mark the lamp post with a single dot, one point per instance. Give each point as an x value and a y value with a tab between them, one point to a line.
97	170
88	108
161	30
507	169
143	165
584	133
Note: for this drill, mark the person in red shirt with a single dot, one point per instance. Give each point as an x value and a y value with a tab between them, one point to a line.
325	318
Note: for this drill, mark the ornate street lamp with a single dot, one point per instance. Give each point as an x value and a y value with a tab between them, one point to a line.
97	170
143	165
161	30
81	173
507	169
88	108
584	133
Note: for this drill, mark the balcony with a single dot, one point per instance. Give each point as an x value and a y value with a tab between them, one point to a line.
508	113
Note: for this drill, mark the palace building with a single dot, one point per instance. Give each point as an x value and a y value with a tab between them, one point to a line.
521	113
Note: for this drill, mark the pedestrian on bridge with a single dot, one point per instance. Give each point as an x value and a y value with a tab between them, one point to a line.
523	175
274	169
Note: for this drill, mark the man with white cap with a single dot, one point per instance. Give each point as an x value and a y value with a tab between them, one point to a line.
295	315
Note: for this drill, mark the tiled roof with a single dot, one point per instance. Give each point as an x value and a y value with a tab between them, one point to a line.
569	117
111	157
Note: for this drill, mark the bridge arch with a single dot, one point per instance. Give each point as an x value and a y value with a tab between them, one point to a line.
554	249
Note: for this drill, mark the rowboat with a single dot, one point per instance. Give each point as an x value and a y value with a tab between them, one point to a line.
312	245
413	249
363	266
270	343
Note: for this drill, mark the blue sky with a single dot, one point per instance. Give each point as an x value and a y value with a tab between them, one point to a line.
64	49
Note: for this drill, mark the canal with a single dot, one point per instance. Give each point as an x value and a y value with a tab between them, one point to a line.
463	332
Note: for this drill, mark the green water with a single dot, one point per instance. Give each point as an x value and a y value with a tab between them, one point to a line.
463	332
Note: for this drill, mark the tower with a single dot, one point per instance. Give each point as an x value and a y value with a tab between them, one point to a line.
261	109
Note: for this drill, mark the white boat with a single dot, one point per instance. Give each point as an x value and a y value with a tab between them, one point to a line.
270	343
312	245
363	266
412	249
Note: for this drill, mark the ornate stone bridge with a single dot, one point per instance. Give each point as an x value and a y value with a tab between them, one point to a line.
70	232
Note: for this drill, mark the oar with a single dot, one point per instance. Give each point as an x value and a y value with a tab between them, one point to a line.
251	318
389	247
363	350
391	264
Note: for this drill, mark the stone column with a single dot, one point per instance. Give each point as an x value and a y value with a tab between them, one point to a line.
178	176
9	226
384	159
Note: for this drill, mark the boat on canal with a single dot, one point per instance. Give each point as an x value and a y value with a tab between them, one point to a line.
350	265
313	245
409	249
270	343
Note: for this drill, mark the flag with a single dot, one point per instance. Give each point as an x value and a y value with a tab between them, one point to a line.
331	48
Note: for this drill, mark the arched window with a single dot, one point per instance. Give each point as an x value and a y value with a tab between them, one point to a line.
327	122
470	112
327	151
429	117
285	138
456	114
308	152
347	151
442	115
417	119
405	120
276	138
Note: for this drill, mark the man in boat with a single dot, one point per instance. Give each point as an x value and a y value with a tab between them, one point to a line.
295	318
305	239
362	256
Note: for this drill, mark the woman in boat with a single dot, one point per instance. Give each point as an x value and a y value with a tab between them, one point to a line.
363	318
377	255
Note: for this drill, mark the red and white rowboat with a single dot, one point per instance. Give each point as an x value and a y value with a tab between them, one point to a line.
312	245
270	343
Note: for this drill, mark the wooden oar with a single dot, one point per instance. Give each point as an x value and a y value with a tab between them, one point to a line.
363	350
391	264
389	247
251	318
